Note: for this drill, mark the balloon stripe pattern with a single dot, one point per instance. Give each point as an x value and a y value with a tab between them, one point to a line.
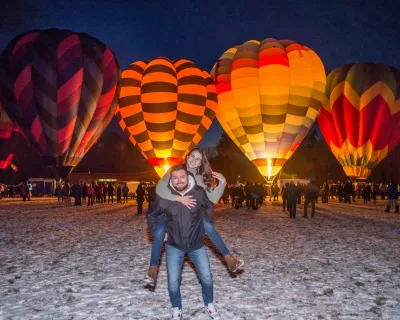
269	94
61	87
165	107
361	120
6	133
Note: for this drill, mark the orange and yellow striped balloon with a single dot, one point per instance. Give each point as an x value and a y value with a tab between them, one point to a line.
165	107
269	94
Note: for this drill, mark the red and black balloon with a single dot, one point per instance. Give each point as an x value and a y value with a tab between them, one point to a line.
60	87
8	138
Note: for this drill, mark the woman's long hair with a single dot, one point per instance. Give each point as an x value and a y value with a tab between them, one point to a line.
204	169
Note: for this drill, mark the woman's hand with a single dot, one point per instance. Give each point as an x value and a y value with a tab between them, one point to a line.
219	176
166	237
187	201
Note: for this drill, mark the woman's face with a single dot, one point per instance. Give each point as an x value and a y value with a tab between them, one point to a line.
194	159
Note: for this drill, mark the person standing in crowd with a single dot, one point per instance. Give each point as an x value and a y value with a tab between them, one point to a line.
119	194
151	192
105	187
110	192
90	194
184	236
332	191
225	195
292	196
66	191
284	195
299	192
23	192
375	188
259	191
348	191
311	194
140	195
84	191
59	193
325	193
275	190
99	193
76	192
125	193
248	191
393	193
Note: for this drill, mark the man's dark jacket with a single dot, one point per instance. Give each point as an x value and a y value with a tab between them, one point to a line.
185	227
292	192
311	191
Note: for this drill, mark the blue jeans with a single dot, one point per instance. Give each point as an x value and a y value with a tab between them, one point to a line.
159	235
199	258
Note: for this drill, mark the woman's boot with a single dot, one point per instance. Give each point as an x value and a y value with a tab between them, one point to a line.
233	263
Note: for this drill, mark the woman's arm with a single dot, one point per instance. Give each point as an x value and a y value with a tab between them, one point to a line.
162	188
215	194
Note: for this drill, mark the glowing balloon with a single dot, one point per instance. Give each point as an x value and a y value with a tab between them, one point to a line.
7	133
60	88
361	120
269	94
165	107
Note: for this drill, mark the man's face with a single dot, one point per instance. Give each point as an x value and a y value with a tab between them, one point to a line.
179	179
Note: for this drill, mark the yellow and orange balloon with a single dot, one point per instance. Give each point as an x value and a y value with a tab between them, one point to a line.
165	107
269	95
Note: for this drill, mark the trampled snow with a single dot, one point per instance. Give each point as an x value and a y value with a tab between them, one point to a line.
60	262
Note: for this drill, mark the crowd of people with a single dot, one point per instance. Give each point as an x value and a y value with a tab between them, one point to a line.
254	194
104	193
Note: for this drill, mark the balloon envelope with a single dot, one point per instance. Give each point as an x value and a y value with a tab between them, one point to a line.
8	133
165	107
269	94
60	88
361	119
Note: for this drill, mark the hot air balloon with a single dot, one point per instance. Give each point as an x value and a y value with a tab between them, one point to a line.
165	107
361	119
269	94
60	87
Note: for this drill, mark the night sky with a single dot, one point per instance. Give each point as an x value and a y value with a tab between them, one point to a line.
339	32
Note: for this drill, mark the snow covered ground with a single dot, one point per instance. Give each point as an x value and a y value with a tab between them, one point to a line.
88	263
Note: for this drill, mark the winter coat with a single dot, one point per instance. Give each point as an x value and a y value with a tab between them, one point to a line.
284	193
151	193
119	192
99	190
393	191
348	188
76	191
185	227
311	191
90	191
110	190
140	193
125	191
292	192
85	191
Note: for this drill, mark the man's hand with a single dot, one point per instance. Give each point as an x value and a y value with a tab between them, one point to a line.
187	201
219	176
166	237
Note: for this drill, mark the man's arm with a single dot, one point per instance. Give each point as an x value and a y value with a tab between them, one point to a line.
152	214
